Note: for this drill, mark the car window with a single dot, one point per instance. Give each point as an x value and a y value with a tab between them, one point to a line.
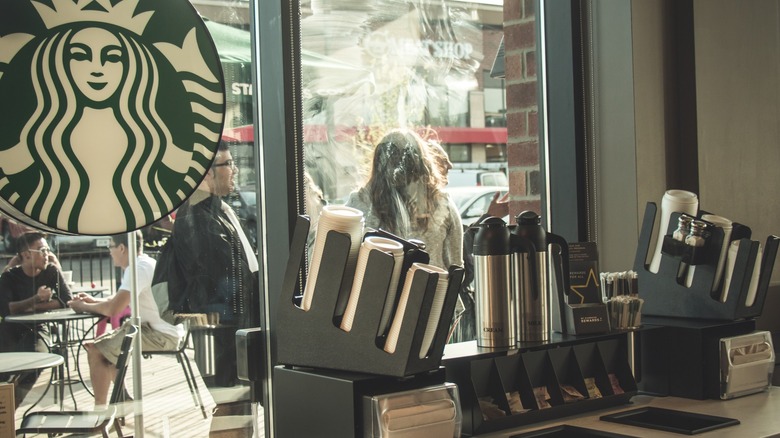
460	198
494	179
479	206
250	198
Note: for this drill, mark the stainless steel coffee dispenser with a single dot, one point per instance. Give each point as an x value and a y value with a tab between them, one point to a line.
493	298
532	279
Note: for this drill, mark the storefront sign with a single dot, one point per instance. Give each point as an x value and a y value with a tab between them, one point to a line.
379	44
111	109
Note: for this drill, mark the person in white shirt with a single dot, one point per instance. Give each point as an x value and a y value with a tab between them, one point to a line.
156	334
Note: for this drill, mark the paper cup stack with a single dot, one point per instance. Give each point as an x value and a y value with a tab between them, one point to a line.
726	225
731	259
680	201
436	307
371	243
339	218
433	319
392	289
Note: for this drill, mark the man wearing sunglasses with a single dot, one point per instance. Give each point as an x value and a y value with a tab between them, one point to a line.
35	285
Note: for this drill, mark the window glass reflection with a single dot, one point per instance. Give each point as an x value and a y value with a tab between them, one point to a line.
216	231
369	68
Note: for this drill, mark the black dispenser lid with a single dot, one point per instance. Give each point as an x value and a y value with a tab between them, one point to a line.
492	238
529	226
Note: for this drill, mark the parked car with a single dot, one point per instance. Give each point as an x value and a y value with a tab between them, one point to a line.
476	177
473	202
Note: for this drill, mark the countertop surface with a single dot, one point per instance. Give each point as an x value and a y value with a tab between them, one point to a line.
759	416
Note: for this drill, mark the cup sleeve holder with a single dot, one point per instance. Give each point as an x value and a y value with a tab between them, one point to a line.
568	374
592	367
491	397
512	371
621	378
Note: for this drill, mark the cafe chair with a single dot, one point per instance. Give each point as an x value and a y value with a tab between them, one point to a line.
186	366
58	422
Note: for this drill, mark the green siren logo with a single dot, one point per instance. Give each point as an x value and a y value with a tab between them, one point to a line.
111	111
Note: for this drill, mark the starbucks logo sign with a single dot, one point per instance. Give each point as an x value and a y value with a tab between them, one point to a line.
111	111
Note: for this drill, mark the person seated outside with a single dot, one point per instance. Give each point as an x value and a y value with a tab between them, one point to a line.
156	334
16	260
34	285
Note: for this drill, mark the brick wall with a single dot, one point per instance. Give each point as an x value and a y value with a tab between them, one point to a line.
522	107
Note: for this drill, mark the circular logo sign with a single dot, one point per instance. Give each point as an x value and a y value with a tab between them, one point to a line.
112	111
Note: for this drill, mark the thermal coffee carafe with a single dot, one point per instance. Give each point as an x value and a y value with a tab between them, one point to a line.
494	301
532	279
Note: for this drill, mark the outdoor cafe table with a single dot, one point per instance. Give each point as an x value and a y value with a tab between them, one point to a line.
13	363
28	361
61	317
94	291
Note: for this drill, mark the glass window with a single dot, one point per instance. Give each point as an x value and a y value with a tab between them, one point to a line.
459	153
187	378
367	70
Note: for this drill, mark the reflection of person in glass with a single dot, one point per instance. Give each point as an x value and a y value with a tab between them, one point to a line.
156	334
36	285
217	263
403	195
95	137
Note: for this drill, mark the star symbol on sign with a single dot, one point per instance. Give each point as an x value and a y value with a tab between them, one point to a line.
591	275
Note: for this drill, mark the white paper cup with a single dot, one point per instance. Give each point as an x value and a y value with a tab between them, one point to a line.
395	328
371	243
339	218
392	292
726	225
731	259
674	201
436	308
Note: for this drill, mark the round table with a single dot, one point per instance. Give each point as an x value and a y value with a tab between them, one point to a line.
62	317
28	361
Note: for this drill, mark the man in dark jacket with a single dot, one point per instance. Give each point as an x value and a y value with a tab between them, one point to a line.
217	263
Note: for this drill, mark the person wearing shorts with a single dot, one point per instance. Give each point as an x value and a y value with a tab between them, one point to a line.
156	334
110	344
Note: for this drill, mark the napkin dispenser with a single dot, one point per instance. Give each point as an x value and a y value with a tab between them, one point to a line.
746	364
433	411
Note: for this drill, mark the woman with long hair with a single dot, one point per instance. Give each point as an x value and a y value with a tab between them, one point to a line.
403	195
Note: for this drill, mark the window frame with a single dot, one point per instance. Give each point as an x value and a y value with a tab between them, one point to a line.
276	35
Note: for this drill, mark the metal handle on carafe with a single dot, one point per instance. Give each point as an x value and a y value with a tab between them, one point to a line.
528	247
561	242
561	280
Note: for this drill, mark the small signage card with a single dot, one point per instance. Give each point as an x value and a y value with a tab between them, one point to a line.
7	408
584	273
